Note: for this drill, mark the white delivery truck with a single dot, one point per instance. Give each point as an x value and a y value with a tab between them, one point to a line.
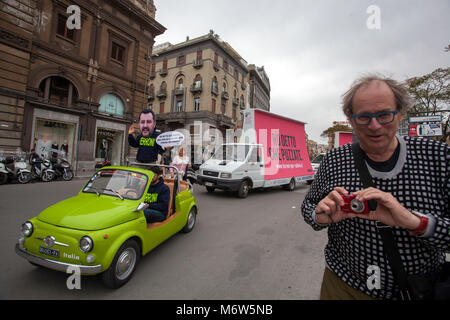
271	152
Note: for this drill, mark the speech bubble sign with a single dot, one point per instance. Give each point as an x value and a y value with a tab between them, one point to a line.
170	139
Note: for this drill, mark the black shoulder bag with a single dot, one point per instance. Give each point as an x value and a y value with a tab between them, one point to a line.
423	287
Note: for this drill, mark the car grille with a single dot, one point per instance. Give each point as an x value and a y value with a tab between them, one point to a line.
210	173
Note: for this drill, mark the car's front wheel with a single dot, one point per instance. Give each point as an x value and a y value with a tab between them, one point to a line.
123	265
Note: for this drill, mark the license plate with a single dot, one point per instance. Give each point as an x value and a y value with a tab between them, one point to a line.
49	252
209	184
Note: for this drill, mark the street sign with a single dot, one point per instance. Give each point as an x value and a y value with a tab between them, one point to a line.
437	118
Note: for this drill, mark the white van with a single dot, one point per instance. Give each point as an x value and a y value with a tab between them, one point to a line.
274	154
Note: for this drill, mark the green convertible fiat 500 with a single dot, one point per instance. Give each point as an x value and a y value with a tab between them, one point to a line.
103	229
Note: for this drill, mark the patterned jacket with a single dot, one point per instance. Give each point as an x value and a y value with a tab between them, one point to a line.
420	181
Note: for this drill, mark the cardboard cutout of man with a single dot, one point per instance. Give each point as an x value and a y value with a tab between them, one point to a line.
148	149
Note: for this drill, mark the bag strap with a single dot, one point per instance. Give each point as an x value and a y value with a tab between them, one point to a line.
389	244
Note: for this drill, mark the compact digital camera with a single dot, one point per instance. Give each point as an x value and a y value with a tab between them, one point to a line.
351	205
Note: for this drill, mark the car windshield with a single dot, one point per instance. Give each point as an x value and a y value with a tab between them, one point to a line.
231	152
317	159
123	184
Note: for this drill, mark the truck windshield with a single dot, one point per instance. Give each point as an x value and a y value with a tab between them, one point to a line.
231	152
118	183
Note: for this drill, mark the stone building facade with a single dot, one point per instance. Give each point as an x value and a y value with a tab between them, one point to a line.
259	95
201	85
74	89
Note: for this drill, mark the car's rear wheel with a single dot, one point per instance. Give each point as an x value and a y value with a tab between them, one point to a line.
123	265
190	223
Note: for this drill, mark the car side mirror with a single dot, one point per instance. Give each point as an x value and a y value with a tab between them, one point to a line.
140	207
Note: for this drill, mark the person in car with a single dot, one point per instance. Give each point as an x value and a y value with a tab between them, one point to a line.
157	198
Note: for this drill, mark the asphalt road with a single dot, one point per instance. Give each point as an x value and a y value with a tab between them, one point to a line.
253	248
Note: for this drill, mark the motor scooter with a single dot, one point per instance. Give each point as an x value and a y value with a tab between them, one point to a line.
3	171
16	168
62	168
42	168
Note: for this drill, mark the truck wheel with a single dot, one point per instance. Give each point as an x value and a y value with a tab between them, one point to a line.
244	189
190	223
123	265
210	189
290	186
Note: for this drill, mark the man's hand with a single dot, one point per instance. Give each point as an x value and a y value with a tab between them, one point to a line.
131	130
329	208
389	210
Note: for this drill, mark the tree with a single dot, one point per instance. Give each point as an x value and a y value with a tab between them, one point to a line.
336	127
331	130
431	93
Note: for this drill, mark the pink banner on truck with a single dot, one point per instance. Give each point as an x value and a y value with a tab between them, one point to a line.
345	137
286	155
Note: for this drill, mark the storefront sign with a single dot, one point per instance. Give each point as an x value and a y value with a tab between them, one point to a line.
425	130
437	118
170	138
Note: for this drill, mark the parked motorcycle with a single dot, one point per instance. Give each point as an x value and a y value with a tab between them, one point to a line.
3	171
42	168
14	167
62	168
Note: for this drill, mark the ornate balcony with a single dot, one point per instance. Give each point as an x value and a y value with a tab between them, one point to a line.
196	88
225	95
197	64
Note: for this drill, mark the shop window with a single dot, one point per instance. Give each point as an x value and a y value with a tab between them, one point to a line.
62	29
112	104
109	146
54	139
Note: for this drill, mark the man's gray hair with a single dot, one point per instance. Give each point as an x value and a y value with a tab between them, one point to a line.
401	94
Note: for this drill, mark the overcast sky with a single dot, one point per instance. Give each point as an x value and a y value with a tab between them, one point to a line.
313	50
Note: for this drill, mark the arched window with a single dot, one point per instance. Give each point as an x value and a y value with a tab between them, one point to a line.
198	81
58	90
112	104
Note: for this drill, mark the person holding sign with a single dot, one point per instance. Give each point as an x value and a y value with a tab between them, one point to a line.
148	148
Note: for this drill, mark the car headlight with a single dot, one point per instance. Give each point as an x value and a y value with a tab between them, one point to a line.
86	244
27	229
225	175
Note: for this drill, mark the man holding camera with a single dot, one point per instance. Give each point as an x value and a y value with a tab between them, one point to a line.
411	178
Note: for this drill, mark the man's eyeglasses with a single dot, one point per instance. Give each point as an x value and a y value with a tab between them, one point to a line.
383	117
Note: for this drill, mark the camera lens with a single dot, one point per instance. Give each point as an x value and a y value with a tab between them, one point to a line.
357	206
